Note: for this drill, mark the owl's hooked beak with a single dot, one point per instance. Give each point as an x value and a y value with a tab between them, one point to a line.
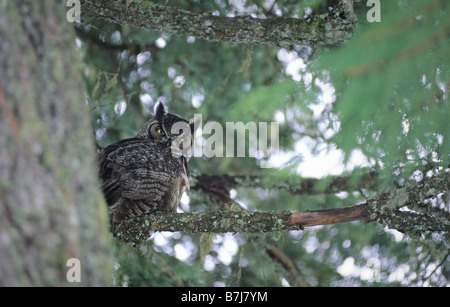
169	142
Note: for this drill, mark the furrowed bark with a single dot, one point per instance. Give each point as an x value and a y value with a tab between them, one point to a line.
50	207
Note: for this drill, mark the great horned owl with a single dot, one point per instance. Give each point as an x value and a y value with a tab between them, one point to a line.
148	172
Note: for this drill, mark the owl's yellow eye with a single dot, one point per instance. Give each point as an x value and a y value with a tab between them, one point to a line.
160	131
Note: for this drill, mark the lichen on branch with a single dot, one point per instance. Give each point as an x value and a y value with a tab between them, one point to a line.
384	209
139	229
329	29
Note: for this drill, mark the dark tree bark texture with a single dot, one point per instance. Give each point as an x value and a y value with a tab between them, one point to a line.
50	207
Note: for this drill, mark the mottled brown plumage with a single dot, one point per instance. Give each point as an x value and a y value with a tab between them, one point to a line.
147	173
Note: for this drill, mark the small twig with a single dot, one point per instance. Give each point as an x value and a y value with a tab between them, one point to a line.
276	254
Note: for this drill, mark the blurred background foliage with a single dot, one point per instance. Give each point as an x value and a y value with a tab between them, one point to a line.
383	95
393	94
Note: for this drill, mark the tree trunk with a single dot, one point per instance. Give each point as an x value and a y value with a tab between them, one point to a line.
50	207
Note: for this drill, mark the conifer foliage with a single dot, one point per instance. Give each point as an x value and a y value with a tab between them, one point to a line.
377	91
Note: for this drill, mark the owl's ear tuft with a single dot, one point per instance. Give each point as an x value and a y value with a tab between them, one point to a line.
160	111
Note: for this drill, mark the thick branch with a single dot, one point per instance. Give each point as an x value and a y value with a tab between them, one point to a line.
412	223
383	209
139	229
328	29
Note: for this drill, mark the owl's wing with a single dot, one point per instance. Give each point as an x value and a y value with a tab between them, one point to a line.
143	183
136	173
108	171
